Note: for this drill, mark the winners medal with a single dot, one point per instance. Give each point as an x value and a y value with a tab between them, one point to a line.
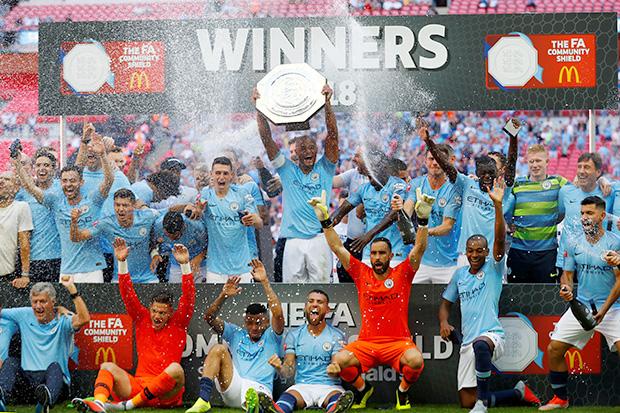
290	95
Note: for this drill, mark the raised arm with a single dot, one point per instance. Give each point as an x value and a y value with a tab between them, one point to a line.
133	305
332	151
264	130
81	316
230	289
342	212
98	148
26	180
137	160
440	157
499	244
333	240
423	208
511	162
277	315
87	134
185	310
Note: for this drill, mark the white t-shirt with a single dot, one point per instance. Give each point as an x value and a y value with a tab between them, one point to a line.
13	219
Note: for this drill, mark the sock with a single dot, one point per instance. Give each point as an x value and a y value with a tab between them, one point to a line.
103	386
287	402
332	401
161	385
206	386
352	376
559	380
505	397
410	376
483	355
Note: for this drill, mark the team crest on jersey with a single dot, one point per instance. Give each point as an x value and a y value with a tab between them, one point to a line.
389	283
480	275
442	202
314	177
234	206
327	346
546	184
385	197
143	231
84	209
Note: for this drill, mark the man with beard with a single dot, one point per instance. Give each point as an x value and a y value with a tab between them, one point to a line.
241	369
477	216
383	295
46	344
589	169
83	260
309	349
161	333
306	255
229	210
16	224
439	260
478	287
591	257
44	238
133	225
187	194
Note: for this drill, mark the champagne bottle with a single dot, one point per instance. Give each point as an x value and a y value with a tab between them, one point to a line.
405	227
583	314
265	177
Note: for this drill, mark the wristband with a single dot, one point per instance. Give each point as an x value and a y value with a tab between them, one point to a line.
74	295
25	274
278	161
422	222
154	253
122	267
327	223
186	268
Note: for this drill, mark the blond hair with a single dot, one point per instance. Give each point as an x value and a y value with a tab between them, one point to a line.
537	148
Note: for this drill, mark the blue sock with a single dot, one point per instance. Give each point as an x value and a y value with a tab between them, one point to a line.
559	380
504	397
483	355
332	401
287	402
206	386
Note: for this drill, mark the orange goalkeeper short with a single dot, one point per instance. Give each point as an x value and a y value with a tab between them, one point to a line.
139	383
375	353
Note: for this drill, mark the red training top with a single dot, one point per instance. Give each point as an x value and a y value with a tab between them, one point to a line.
157	349
384	304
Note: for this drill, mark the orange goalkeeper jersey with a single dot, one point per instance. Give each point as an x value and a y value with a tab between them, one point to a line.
157	349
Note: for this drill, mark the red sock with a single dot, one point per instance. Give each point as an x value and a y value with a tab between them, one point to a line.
159	386
410	376
352	375
103	386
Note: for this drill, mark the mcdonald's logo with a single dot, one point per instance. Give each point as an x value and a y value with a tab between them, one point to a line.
105	354
569	72
574	355
138	80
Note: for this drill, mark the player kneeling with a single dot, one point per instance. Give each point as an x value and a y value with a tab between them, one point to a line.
310	347
160	340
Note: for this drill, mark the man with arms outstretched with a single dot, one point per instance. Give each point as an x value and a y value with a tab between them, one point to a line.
309	349
383	294
160	340
478	286
243	371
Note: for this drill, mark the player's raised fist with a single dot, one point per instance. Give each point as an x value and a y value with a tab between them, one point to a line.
319	205
255	95
424	204
275	362
327	91
180	253
397	202
121	250
333	369
67	282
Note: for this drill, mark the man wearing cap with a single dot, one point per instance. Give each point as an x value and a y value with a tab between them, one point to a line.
187	194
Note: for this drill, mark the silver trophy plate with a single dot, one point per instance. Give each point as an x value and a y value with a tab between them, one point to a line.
290	93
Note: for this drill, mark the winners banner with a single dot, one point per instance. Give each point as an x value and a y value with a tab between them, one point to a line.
401	63
528	314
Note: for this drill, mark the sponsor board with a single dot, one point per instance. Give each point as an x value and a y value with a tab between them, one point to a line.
107	338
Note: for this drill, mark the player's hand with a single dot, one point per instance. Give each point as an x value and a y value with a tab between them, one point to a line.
255	95
566	292
327	91
497	194
612	258
275	362
192	212
605	186
155	261
397	202
67	282
275	185
422	127
21	282
424	204
258	270
244	179
333	369
97	145
250	219
108	143
76	213
360	212
445	329
599	315
231	286
319	205
121	250
87	132
360	242
180	253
